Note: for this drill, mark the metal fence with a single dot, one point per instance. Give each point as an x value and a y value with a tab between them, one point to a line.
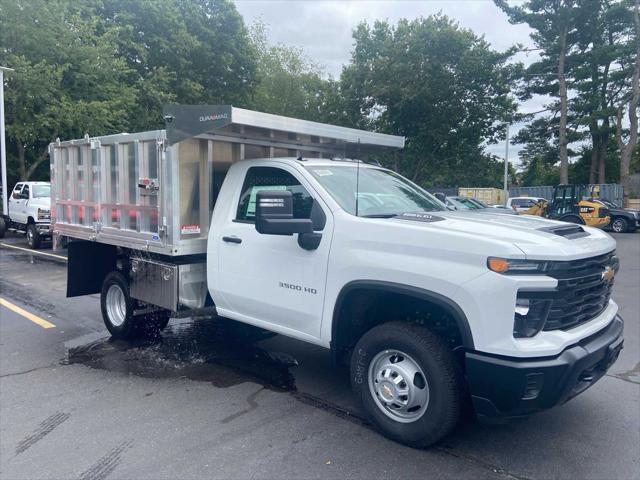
609	191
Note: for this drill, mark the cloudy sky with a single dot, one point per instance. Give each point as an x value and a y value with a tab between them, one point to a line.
323	28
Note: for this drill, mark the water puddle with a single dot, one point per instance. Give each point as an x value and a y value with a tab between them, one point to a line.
212	350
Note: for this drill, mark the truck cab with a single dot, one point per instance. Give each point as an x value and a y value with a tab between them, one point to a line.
431	309
29	211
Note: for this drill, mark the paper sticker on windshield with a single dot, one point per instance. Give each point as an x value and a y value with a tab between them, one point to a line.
190	229
420	217
323	173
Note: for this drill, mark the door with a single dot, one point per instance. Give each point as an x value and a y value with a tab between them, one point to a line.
270	278
17	205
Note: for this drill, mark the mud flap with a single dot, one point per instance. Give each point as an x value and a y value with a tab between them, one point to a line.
88	264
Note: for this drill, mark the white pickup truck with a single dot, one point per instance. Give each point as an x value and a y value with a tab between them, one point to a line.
429	307
29	211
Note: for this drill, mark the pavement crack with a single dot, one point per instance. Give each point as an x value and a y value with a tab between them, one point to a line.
623	377
15	374
107	463
251	400
45	428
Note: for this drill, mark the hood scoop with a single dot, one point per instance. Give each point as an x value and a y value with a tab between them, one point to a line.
569	231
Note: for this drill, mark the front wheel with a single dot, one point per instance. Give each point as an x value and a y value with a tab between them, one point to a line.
34	240
619	225
409	383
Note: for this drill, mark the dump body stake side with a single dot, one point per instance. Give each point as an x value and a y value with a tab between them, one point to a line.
253	216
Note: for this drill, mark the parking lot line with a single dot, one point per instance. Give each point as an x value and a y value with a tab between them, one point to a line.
34	251
28	315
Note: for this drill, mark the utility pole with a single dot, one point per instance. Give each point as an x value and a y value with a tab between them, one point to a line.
506	167
3	143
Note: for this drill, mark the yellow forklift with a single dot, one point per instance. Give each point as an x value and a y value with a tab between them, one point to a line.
573	204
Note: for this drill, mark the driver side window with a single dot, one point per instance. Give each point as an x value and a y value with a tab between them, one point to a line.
16	192
271	178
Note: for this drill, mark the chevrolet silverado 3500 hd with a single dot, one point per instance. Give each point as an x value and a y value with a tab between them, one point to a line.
250	216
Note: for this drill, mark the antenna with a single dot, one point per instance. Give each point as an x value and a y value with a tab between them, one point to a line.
357	175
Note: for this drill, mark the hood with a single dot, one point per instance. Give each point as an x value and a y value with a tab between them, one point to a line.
538	238
41	202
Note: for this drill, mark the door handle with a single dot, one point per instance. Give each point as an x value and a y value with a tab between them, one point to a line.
232	239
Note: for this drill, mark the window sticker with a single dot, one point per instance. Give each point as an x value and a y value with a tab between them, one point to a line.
190	229
323	173
251	207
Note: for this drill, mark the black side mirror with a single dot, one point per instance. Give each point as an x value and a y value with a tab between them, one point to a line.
441	196
274	214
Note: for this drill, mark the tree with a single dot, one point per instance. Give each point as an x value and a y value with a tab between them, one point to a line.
554	25
184	51
67	79
602	71
107	66
627	149
439	85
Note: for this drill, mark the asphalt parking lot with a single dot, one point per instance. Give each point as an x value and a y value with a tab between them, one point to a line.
196	404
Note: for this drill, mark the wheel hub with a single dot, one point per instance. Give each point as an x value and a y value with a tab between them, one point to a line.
116	305
398	386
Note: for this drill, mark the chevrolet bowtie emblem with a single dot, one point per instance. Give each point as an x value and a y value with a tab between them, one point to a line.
607	274
387	391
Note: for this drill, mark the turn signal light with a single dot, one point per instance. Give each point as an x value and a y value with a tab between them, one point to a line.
498	265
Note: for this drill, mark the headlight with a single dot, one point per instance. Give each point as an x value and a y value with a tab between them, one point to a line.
515	267
530	315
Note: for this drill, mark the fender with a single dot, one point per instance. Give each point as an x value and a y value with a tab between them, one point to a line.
440	300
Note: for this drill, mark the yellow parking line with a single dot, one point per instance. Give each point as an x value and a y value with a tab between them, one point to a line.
34	251
29	316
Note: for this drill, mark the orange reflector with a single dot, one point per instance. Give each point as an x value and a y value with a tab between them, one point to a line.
499	265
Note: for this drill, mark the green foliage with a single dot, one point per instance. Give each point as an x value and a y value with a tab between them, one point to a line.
289	83
439	85
106	66
598	68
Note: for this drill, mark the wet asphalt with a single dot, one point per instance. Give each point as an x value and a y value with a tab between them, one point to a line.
203	401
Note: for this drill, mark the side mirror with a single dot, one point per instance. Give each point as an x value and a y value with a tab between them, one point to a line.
274	214
442	197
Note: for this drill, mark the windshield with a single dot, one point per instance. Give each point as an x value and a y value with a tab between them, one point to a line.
609	204
467	203
41	191
479	203
382	193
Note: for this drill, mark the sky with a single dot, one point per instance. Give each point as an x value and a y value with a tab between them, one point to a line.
323	29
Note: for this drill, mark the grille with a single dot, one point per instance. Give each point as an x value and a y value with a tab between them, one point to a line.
603	212
582	293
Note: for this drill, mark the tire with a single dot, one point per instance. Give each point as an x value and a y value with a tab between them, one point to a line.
118	311
3	227
34	240
619	225
438	375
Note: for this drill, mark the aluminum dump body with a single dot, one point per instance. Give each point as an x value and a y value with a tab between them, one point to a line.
155	191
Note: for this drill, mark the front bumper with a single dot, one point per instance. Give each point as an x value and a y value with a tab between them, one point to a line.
44	229
509	387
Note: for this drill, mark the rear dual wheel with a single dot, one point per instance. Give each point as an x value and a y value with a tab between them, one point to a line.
118	311
408	382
